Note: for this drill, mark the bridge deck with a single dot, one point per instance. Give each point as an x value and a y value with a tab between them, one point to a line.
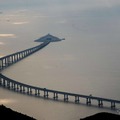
8	60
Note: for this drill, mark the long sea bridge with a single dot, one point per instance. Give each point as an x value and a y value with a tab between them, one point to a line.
14	85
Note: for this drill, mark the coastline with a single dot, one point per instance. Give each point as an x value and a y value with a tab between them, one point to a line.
14	115
102	116
7	113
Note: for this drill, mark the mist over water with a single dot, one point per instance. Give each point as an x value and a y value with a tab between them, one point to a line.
87	62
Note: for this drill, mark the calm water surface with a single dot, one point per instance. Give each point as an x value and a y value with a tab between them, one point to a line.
87	62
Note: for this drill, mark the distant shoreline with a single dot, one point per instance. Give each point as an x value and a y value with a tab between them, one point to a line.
7	113
103	116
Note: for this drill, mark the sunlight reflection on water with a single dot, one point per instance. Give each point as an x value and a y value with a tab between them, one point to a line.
7	101
1	43
7	35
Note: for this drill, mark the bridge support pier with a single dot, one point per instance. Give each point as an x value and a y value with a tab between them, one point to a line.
17	87
66	98
5	61
37	92
21	88
0	81
1	64
100	103
28	92
55	96
6	64
113	105
77	99
14	86
88	101
4	83
8	84
45	93
11	59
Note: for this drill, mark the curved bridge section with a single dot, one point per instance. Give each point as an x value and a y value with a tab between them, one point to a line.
43	92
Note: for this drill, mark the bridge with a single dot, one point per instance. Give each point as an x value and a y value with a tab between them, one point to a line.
14	85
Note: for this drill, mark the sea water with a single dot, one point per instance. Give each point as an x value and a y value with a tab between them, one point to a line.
86	62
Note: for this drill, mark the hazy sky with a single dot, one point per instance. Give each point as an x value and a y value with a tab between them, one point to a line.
91	13
60	4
